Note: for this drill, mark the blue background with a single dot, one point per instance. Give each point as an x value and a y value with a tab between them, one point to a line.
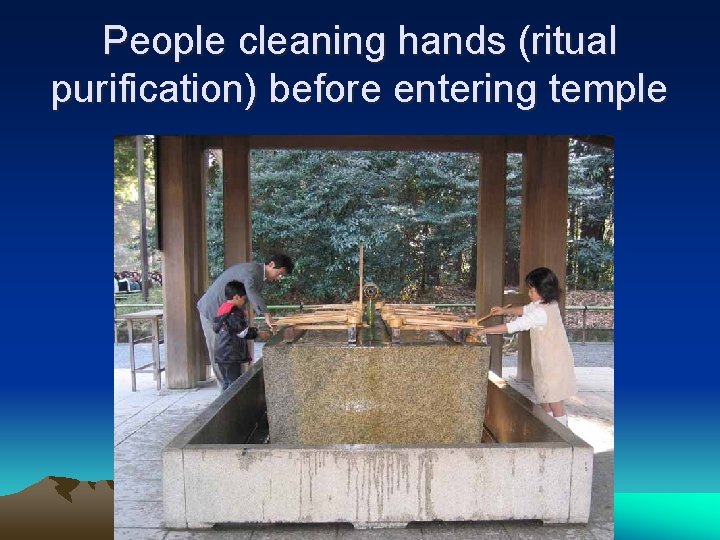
56	392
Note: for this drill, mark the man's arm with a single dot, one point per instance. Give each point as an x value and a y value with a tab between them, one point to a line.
253	294
269	321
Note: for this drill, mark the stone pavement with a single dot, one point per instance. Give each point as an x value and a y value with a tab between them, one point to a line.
592	354
147	419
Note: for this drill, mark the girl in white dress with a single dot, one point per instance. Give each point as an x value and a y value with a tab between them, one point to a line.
552	359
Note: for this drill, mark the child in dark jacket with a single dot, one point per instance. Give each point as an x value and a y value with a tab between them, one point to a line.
232	355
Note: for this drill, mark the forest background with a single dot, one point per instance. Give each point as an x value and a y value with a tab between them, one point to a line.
414	211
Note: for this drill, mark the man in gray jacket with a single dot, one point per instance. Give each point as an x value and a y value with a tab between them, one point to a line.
253	275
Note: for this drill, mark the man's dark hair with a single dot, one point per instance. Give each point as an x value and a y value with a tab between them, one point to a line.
282	261
546	283
233	288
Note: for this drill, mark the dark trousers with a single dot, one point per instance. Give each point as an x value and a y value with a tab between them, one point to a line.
231	371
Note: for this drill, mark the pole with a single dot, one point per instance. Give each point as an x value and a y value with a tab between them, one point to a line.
361	277
140	158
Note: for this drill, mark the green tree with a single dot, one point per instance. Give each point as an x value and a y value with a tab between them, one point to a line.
126	202
415	212
215	213
590	217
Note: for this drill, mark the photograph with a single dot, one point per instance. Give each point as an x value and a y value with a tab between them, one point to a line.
355	334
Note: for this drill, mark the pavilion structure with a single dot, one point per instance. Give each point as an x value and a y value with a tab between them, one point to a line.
182	175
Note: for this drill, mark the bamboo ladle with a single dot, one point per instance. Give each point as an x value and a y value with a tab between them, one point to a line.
486	317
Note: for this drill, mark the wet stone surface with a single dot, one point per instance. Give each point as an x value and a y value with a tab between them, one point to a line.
320	390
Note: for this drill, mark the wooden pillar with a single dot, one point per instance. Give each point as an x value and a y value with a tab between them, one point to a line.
543	228
237	207
491	239
236	200
200	270
179	167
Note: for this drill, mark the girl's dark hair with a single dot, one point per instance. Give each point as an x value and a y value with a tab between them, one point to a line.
234	287
545	282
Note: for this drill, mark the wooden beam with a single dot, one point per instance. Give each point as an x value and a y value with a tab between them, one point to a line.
417	143
211	142
423	143
543	226
237	200
491	240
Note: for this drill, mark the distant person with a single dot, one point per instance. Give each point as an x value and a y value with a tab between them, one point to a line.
253	276
156	277
123	282
115	278
134	281
552	359
232	354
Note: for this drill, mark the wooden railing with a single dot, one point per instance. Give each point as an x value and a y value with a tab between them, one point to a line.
585	309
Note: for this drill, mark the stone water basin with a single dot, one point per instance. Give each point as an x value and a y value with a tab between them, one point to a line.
389	468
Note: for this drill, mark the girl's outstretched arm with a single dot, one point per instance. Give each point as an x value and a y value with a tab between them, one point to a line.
498	329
